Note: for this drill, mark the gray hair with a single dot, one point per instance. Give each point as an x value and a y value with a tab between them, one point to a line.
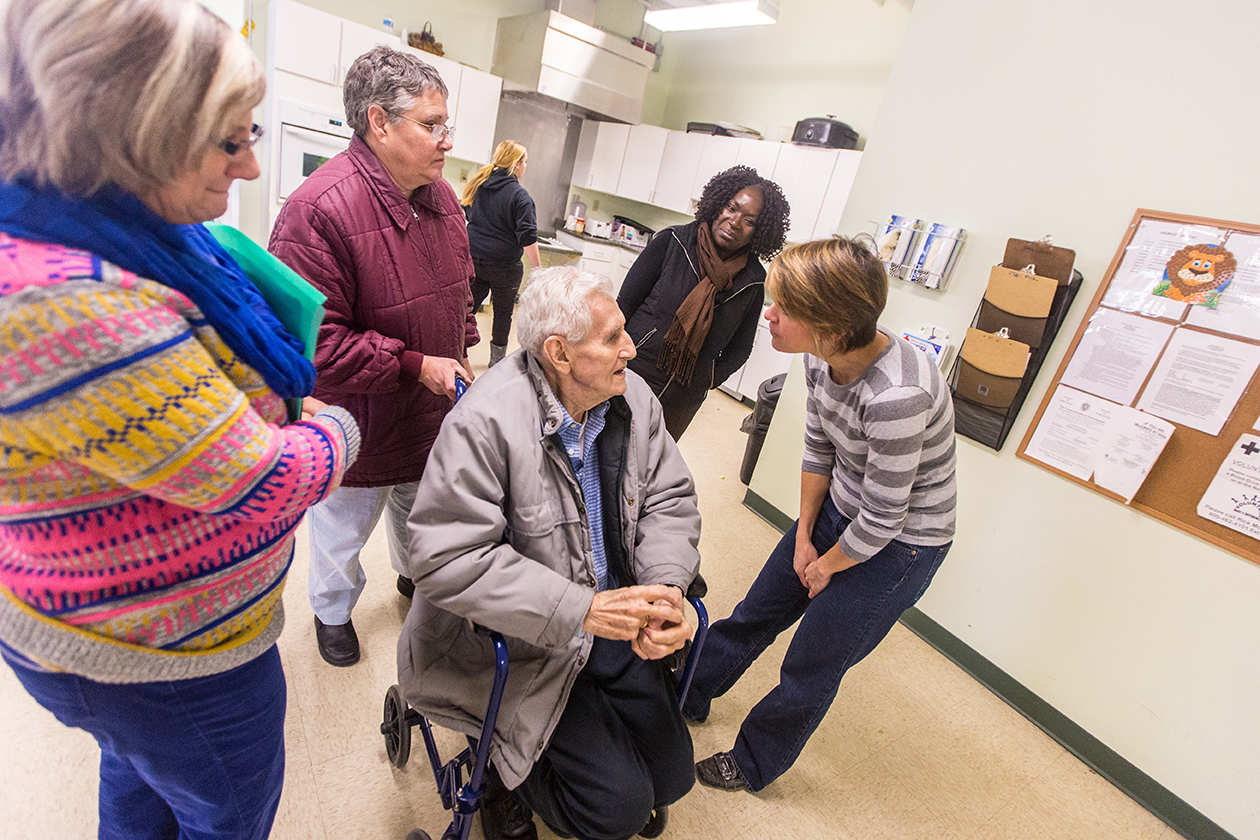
127	92
555	303
389	78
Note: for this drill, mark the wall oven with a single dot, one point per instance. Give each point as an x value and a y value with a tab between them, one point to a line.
308	138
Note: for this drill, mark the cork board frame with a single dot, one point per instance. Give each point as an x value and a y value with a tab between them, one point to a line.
1189	462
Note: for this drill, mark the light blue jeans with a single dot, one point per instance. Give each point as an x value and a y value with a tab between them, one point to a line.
340	526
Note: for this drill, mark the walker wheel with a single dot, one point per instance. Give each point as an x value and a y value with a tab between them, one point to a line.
656	823
418	834
397	732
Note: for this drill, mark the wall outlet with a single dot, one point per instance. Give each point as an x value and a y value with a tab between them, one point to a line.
595	205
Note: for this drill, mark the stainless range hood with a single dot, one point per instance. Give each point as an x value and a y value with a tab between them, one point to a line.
565	59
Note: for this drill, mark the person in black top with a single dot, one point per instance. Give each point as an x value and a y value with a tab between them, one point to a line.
501	227
693	297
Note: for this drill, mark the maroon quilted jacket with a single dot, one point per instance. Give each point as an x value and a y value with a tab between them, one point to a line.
397	279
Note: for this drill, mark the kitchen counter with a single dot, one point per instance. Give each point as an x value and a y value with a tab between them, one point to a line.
576	240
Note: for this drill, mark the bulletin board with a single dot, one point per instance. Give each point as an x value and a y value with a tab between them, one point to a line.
1168	356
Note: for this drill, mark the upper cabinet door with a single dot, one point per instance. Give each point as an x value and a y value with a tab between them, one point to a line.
679	163
478	114
803	173
718	156
837	194
356	39
761	155
607	156
307	41
645	146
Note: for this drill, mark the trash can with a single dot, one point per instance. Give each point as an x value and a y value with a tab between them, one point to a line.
758	423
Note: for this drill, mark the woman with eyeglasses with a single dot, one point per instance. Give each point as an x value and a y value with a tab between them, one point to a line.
149	487
693	297
501	228
381	233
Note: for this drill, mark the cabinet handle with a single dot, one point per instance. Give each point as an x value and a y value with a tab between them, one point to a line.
336	72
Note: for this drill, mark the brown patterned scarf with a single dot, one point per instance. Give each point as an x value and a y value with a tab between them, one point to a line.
694	318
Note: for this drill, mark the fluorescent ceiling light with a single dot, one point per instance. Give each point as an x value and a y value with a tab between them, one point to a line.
713	15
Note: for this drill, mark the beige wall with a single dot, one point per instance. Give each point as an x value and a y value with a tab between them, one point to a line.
822	57
1022	118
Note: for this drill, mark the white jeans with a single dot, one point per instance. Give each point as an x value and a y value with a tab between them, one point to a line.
340	525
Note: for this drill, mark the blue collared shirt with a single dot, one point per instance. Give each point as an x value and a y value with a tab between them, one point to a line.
579	444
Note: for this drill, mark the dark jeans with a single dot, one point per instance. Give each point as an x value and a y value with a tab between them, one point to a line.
838	628
199	759
502	281
621	748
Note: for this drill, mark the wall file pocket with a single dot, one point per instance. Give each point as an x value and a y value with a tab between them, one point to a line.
987	418
1048	260
1017	302
990	369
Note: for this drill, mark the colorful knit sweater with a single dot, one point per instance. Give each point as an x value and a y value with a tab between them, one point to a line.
147	497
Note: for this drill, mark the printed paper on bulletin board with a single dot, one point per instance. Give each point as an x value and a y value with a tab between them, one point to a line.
1173	331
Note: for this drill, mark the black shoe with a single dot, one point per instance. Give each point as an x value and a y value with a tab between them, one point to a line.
338	643
720	771
503	815
406	587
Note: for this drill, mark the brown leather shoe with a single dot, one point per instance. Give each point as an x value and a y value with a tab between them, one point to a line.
338	643
720	771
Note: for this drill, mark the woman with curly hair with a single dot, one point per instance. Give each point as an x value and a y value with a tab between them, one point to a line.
693	297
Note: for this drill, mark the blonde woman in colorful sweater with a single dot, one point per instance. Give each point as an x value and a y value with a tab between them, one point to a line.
148	491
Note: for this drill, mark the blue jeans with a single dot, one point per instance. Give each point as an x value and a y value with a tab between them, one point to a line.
838	628
199	759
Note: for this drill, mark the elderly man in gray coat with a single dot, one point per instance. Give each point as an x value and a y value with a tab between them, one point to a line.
556	509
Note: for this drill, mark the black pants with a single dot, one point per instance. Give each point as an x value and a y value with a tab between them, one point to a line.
502	281
621	749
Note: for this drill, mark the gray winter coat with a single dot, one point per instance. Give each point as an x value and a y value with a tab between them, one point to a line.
500	538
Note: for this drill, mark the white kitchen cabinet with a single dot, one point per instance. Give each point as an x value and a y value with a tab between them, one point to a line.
478	113
837	193
307	41
803	173
641	163
601	151
758	154
318	45
598	259
357	39
679	163
719	155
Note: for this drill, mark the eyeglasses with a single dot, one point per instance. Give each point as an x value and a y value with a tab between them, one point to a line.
233	148
440	132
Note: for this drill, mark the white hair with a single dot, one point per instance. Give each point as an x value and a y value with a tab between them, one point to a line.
389	78
556	302
126	92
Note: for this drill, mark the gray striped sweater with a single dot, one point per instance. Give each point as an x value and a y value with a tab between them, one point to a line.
887	441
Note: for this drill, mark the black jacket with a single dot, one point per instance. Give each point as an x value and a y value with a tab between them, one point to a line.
654	289
501	221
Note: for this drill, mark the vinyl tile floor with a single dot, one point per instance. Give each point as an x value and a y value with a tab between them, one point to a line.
912	749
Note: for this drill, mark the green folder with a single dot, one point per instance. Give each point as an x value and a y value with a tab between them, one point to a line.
297	304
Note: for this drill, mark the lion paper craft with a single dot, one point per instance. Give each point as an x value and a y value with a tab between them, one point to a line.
1197	274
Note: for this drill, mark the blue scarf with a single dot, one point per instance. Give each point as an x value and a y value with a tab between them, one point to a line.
118	227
